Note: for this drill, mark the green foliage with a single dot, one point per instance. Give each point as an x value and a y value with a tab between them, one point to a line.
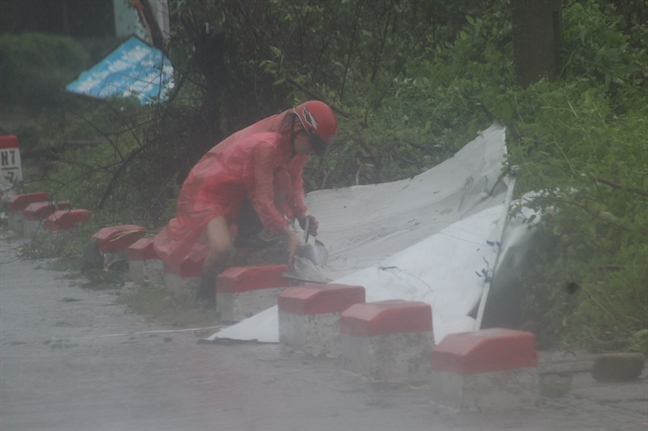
600	52
416	113
583	141
613	309
98	175
35	67
66	246
352	54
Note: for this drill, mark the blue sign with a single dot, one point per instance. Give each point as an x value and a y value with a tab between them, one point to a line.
135	69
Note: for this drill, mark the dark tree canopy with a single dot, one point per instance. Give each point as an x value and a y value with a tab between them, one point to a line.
75	18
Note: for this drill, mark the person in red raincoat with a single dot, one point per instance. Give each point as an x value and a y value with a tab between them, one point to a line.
261	164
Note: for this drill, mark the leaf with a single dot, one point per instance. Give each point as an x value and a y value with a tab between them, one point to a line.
504	111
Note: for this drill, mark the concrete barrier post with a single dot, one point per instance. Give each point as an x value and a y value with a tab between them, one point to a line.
144	266
242	292
62	224
35	214
113	242
10	166
490	369
309	316
17	205
184	282
388	341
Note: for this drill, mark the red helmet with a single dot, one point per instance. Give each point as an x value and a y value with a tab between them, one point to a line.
320	122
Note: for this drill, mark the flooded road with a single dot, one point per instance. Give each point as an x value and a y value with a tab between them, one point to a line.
72	360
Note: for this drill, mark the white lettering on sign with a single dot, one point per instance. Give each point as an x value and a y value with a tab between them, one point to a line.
10	171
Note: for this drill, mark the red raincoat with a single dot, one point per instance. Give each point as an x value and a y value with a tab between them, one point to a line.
250	164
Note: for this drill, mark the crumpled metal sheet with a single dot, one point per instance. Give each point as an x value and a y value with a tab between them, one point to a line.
426	238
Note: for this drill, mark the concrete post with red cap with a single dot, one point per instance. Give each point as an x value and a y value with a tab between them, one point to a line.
62	224
242	292
35	214
490	369
184	281
113	242
309	316
144	266
16	206
388	341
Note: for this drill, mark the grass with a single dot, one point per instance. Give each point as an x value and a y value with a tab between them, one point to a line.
159	305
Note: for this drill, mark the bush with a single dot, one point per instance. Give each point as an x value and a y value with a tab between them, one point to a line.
35	67
582	140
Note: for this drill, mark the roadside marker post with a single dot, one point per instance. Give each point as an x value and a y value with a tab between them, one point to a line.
11	174
309	316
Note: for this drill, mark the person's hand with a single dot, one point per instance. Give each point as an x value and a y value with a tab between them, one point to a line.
313	225
292	242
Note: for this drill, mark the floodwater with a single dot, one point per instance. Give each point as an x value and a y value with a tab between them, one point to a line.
72	360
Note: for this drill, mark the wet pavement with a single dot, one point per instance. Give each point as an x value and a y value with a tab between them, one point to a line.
70	359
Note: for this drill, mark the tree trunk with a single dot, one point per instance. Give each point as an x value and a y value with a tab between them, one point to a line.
537	39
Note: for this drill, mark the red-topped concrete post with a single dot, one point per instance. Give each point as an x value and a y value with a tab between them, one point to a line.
66	219
17	205
388	341
117	238
35	214
144	266
63	223
242	292
184	282
309	316
490	369
113	241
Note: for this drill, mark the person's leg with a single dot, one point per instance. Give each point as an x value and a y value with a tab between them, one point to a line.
220	246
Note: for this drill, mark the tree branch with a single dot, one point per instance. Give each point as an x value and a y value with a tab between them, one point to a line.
620	187
346	67
588	211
